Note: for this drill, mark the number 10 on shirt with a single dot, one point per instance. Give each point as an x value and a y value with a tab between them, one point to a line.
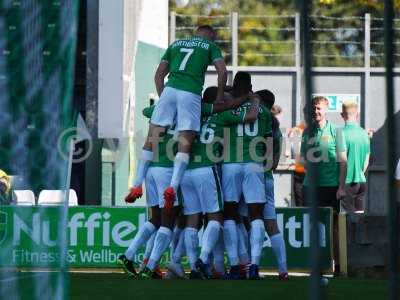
250	129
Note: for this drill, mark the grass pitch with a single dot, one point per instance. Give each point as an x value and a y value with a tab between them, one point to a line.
118	286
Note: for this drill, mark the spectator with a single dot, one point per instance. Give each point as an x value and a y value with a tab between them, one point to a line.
358	151
277	112
294	139
323	147
6	192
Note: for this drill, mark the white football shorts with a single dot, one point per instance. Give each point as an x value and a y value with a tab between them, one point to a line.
243	178
201	191
178	107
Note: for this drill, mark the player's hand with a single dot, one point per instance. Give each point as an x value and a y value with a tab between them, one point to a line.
341	193
254	97
370	132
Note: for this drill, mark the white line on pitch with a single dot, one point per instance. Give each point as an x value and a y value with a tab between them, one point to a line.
20	277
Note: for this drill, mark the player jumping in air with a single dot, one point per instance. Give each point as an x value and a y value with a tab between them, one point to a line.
186	62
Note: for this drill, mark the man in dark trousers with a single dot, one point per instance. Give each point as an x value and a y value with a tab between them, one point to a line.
358	151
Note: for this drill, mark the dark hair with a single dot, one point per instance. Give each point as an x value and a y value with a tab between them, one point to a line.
228	88
267	97
210	94
242	81
205	28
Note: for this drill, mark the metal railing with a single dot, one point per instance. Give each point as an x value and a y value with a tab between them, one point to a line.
274	40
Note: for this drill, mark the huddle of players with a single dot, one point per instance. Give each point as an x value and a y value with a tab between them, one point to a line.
238	139
242	123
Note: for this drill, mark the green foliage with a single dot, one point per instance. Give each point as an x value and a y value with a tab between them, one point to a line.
270	41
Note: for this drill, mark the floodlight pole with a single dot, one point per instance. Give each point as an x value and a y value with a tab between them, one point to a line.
315	253
393	232
62	228
367	70
299	99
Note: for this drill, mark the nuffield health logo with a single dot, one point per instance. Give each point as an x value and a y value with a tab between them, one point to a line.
3	226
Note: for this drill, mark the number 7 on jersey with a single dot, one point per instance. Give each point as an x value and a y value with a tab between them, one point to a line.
186	58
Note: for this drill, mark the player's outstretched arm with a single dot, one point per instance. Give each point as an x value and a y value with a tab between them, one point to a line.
230	104
252	113
222	77
161	72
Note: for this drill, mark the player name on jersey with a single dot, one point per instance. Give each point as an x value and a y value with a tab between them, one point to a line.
195	42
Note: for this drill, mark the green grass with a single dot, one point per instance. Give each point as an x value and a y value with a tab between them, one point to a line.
119	286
